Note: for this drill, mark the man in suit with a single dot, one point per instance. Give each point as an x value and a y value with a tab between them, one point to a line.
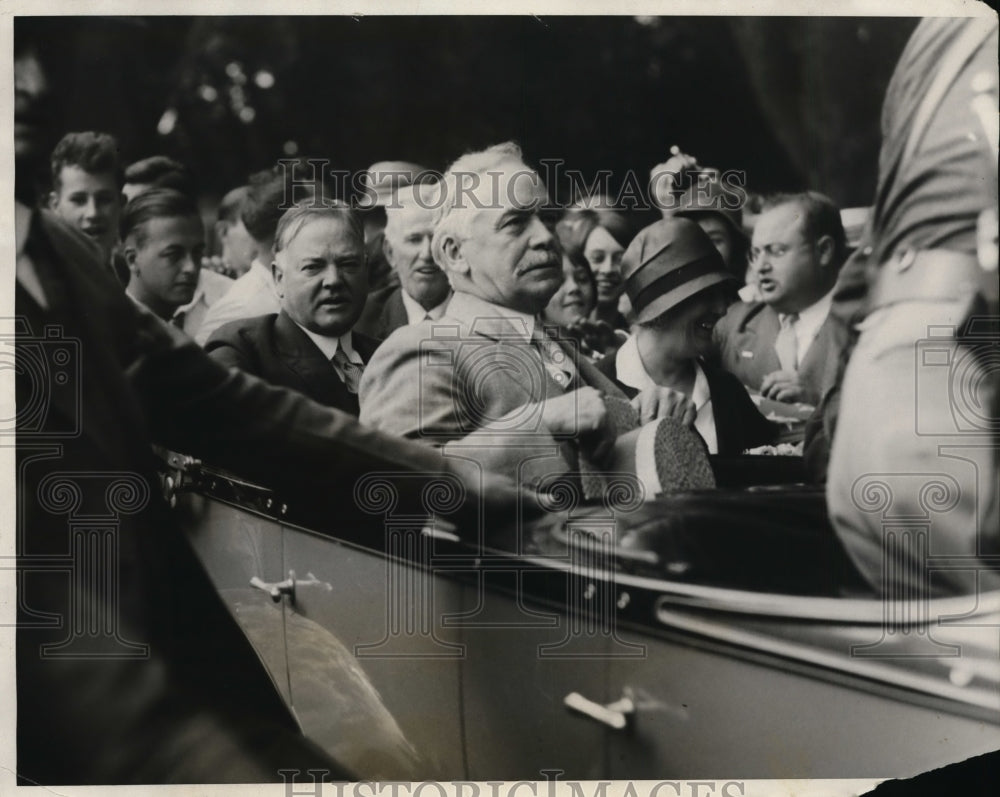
783	345
487	379
154	683
423	290
321	278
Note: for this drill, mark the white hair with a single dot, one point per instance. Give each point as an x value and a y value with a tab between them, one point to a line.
455	214
422	195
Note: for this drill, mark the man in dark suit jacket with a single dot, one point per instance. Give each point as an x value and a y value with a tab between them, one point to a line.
319	270
783	346
423	290
278	350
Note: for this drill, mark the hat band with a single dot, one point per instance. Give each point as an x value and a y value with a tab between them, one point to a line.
642	294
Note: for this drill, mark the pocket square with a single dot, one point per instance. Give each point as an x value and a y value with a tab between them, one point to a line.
746	355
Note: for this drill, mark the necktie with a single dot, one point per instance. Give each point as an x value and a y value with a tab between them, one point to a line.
349	371
786	344
558	364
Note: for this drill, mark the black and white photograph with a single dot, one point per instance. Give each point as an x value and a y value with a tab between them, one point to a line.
510	400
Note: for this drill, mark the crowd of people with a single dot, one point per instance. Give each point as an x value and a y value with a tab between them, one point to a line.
462	315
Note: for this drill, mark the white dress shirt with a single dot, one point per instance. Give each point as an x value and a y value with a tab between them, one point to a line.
251	295
632	372
415	313
211	288
808	324
329	346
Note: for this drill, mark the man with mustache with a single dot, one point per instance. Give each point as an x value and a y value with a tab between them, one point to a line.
321	277
423	290
487	380
87	179
163	241
782	345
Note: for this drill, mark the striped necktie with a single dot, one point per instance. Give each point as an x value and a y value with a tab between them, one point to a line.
786	344
349	371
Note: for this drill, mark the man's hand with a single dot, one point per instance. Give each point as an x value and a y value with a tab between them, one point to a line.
782	386
665	177
582	415
664	402
577	412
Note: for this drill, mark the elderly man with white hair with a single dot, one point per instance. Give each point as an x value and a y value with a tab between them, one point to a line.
423	290
486	379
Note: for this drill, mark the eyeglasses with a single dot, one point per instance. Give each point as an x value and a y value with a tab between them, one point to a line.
774	251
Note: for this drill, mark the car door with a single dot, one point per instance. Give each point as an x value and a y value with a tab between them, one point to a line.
779	686
236	546
379	609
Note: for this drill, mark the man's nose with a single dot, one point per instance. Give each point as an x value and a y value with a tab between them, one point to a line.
191	263
425	247
332	276
90	209
541	236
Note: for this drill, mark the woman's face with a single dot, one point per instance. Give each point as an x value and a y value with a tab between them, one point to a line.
574	300
604	254
688	328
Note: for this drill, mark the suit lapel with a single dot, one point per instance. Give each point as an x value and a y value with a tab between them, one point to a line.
312	370
394	313
758	337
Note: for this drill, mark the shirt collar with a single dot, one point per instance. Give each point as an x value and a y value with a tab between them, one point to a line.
489	319
415	313
630	371
329	346
629	368
812	318
700	393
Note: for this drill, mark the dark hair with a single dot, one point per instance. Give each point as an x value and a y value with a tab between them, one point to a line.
156	203
573	249
293	219
577	225
263	205
231	205
819	217
96	153
159	171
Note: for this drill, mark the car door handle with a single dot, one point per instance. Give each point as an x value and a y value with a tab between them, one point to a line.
276	588
615	715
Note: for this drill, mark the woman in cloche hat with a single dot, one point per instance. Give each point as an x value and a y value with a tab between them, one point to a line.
679	287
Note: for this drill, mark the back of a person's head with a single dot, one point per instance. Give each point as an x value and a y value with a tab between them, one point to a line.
231	206
156	203
159	171
91	151
820	217
264	204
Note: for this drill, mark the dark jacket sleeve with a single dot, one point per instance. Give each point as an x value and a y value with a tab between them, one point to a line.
229	346
231	419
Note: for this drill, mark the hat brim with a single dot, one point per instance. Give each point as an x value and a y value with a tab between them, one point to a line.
671	299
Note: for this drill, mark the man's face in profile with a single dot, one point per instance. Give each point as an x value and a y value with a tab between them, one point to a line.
510	253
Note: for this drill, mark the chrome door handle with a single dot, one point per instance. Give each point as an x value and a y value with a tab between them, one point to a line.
276	588
615	715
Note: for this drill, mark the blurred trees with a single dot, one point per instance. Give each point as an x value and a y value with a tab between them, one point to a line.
795	102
